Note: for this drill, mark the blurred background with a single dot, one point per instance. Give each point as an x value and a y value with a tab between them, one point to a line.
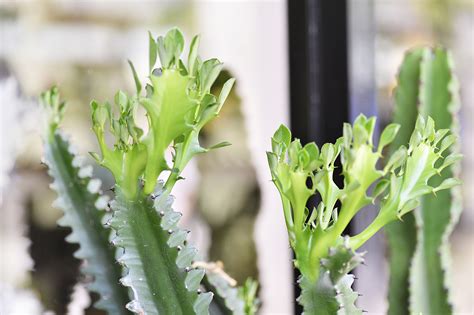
228	200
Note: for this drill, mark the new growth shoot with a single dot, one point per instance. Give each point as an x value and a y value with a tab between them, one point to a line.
178	104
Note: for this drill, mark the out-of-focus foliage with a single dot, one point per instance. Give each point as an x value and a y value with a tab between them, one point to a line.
420	261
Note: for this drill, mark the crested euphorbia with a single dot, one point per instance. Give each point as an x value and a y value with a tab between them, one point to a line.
300	172
178	103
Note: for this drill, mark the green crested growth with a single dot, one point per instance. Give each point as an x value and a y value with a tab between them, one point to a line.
300	172
178	103
126	161
419	260
83	204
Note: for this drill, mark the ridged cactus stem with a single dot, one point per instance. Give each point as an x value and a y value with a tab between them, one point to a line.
419	260
331	292
437	215
83	205
157	257
401	236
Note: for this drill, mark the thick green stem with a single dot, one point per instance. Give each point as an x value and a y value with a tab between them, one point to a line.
331	292
359	239
170	182
79	200
133	165
300	195
326	238
154	167
157	258
349	209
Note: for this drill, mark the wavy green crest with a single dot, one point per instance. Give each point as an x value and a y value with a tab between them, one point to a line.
178	104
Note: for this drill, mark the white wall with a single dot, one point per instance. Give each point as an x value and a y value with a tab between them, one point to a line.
251	38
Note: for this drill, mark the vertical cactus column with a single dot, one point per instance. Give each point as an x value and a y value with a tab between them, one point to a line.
402	235
83	207
419	260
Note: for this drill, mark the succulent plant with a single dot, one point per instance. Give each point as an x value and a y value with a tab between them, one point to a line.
316	236
155	262
135	239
